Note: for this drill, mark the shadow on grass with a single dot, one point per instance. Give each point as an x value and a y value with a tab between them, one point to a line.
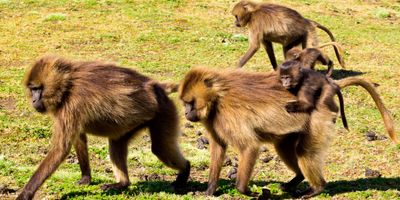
381	184
228	187
341	73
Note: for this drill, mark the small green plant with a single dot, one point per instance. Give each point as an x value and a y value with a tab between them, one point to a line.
55	17
382	13
239	37
102	152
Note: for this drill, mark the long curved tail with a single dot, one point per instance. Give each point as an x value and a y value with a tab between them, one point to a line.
342	113
335	46
340	59
387	119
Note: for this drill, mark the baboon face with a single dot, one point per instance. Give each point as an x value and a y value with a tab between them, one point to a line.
290	74
36	93
195	103
241	13
198	96
191	112
34	86
47	98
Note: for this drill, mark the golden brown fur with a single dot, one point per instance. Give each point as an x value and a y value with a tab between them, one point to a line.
269	23
244	110
105	100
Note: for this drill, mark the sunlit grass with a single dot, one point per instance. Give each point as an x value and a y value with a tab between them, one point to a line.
163	39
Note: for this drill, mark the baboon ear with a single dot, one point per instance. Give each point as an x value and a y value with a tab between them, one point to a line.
62	65
248	7
296	55
208	82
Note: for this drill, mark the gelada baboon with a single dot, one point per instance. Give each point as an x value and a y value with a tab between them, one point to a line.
245	114
269	23
310	56
313	89
105	100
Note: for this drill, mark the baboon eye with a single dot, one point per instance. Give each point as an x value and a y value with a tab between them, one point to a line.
35	87
208	82
191	103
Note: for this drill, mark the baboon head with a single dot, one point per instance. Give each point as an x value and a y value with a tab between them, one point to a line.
290	74
199	94
46	83
242	12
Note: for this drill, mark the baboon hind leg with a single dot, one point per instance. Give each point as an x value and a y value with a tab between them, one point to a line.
293	44
311	151
287	152
164	133
311	41
270	52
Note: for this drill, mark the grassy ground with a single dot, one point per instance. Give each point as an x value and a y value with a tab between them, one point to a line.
163	39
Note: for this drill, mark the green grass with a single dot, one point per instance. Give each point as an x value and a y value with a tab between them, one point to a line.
164	39
55	17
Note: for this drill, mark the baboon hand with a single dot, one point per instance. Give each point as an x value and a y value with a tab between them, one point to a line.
291	106
85	180
211	189
114	186
24	196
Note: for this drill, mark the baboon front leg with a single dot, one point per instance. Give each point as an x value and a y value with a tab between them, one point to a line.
250	52
270	52
164	133
61	145
81	149
118	155
247	160
166	148
217	151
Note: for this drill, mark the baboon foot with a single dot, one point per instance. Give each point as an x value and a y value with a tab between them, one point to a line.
310	192
85	180
114	186
265	195
212	187
183	176
24	195
287	187
246	191
292	184
181	180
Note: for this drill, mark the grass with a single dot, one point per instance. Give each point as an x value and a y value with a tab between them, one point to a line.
163	39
